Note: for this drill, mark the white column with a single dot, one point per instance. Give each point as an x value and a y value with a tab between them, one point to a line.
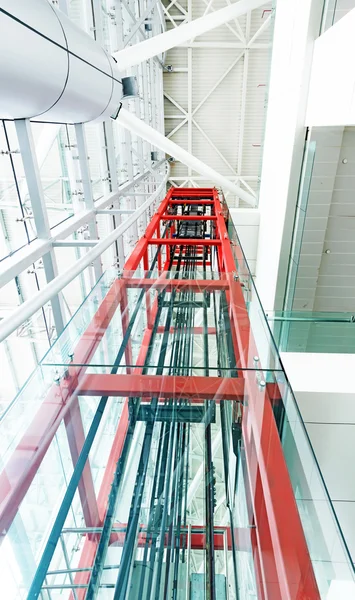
33	179
153	136
87	188
331	94
296	27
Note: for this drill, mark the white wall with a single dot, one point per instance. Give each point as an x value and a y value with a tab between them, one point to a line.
324	386
246	221
332	87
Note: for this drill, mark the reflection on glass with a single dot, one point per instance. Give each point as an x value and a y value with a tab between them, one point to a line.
333	11
300	219
184	466
16	222
98	165
320	332
53	145
324	538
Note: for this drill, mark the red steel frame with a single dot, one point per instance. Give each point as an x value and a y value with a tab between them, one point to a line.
281	558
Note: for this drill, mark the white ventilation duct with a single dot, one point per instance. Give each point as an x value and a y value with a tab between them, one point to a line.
51	70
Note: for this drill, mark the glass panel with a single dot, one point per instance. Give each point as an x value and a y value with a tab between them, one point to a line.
16	222
330	556
300	219
53	143
176	314
320	332
333	11
158	519
98	165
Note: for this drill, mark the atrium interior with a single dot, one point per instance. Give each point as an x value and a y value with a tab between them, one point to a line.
177	299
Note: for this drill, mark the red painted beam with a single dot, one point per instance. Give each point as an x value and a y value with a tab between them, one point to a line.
161	386
21	468
190	191
194	330
184	242
196	263
188	218
179	285
190	202
198	538
285	563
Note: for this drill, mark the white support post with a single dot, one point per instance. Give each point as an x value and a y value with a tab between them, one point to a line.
30	165
189	92
133	234
140	128
110	146
161	43
87	187
296	27
98	29
244	98
25	257
33	304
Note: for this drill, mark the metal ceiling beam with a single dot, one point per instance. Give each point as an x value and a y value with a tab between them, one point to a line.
210	9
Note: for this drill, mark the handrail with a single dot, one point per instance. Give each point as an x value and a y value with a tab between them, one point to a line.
35	303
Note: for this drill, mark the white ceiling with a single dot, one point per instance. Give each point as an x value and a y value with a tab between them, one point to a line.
215	97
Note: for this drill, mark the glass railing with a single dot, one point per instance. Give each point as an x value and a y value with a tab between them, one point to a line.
318	332
333	11
188	394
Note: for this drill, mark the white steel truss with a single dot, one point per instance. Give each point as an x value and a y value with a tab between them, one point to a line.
190	125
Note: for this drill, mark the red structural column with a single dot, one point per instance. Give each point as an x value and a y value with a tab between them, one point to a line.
90	546
76	438
22	466
124	306
279	532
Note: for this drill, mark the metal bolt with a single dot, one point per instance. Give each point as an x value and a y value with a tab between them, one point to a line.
256	359
262	383
236	277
